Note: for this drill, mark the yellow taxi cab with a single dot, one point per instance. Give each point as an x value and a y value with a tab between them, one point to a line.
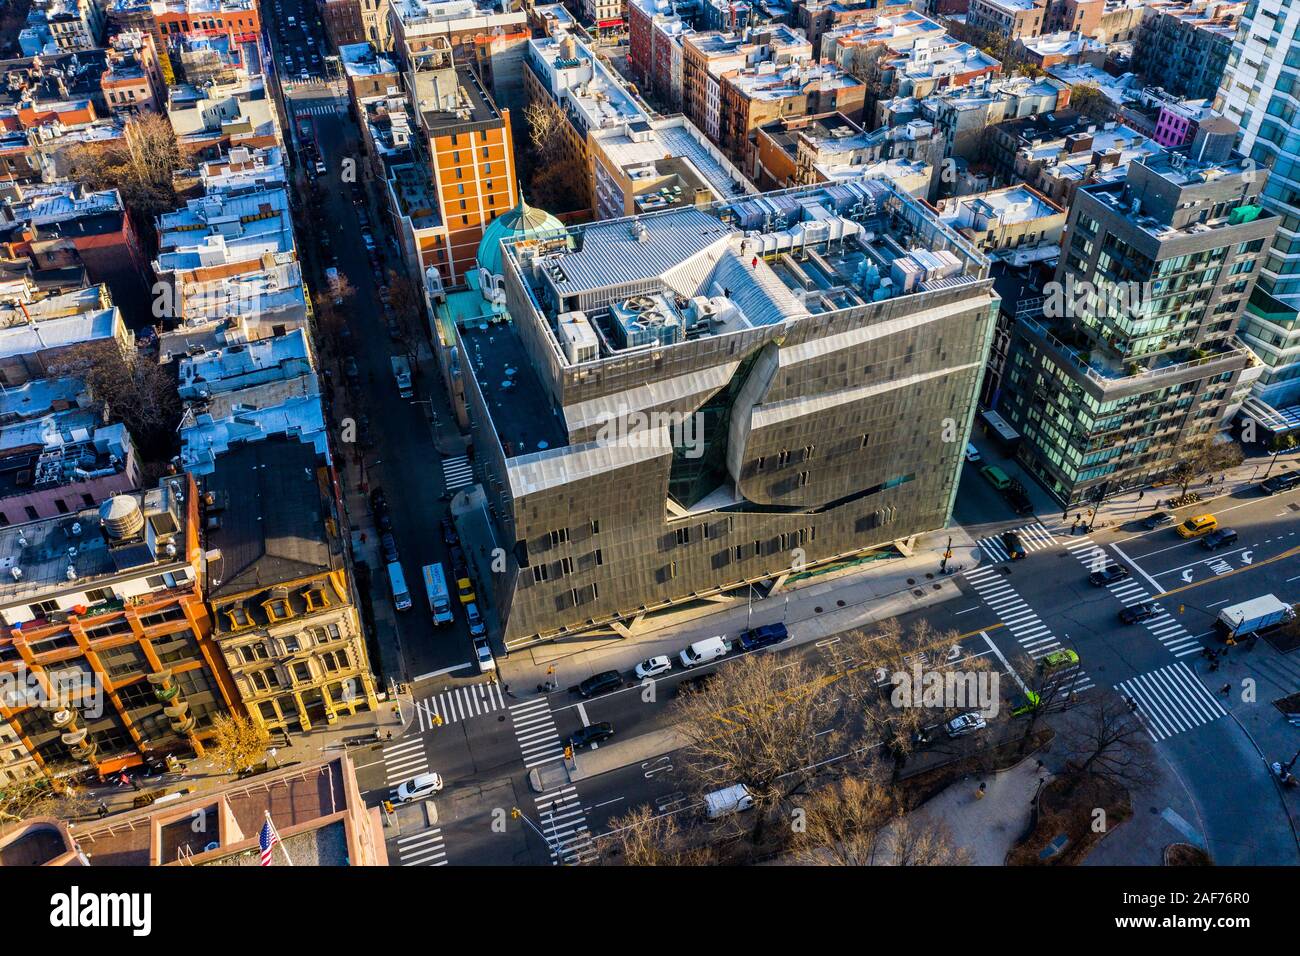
1197	526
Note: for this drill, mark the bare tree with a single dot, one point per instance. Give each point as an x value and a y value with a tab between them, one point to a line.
1201	458
763	721
132	388
1105	739
906	683
642	837
860	821
48	795
407	313
239	743
544	131
140	165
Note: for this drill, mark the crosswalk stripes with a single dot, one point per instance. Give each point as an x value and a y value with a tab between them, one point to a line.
1171	700
1164	626
334	109
1034	537
1018	617
459	703
404	760
457	472
564	823
425	848
539	741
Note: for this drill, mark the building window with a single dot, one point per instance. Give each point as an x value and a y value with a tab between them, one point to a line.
31	513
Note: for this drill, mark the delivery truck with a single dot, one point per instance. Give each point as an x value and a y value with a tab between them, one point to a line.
1253	617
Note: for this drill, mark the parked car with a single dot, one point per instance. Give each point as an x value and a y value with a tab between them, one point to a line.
1157	519
600	683
482	652
964	724
591	734
417	788
365	436
1197	526
1059	660
1279	483
653	667
764	636
696	682
351	370
972	453
995	476
449	535
1134	613
389	545
1108	575
1219	538
1018	499
378	499
1014	546
466	588
476	626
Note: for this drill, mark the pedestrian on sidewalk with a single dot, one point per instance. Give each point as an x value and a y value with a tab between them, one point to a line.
1141	495
1225	690
101	810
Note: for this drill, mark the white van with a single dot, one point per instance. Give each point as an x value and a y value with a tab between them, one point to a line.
972	453
397	584
728	800
701	652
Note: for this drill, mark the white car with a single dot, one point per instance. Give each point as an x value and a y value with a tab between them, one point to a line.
484	655
653	667
417	788
965	724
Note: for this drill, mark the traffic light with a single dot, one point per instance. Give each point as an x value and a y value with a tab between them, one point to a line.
514	813
388	806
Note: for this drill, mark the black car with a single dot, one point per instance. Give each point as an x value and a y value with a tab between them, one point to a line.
1016	496
592	734
449	535
1143	611
1015	547
365	436
1116	572
1219	538
1157	519
600	683
695	683
1280	483
378	499
389	545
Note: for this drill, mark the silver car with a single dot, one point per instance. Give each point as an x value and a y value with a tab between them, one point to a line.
964	724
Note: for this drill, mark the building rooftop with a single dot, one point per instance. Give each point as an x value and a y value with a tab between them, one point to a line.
416	13
240	366
68	553
274	525
581	84
262	295
1064	43
244	170
412	187
1117	89
361	59
214	230
1008	206
1211	16
308	805
649	144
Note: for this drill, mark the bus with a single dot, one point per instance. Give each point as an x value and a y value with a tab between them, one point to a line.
435	589
397	583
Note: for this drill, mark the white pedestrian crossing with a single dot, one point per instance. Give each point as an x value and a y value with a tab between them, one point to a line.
334	109
1171	700
425	848
1034	537
564	823
539	741
458	703
404	760
457	472
1177	639
1018	617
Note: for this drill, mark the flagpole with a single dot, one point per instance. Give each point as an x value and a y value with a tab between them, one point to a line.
278	841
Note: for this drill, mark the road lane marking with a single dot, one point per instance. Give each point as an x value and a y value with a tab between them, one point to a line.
1137	567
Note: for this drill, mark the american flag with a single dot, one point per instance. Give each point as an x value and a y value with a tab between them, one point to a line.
267	839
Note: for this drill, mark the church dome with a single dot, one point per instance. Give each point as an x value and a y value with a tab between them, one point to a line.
521	222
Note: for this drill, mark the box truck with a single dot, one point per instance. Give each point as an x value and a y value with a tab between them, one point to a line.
402	375
1253	616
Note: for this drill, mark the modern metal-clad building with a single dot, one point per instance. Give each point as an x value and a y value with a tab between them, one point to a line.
691	401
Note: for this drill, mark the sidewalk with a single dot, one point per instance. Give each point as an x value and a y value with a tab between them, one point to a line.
354	734
1139	503
814	609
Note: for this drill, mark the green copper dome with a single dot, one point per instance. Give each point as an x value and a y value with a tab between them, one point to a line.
521	222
